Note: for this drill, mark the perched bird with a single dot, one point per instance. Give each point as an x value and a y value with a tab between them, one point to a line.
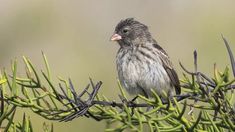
142	64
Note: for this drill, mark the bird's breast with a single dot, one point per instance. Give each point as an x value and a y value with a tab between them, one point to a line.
139	68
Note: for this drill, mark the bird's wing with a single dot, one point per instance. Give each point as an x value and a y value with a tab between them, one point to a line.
169	68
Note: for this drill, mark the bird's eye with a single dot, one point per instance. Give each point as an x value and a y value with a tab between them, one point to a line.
125	30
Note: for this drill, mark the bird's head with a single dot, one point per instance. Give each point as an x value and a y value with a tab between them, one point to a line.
130	32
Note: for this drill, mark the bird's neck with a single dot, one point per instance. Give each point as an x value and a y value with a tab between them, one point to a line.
136	42
142	41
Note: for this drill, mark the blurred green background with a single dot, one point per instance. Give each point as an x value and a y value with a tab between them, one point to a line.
75	37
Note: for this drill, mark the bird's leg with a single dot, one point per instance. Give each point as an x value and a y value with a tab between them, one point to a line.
137	96
133	100
128	103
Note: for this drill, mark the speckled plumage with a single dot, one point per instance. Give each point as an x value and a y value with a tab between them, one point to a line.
142	64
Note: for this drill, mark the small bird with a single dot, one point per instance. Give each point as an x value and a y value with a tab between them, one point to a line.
142	64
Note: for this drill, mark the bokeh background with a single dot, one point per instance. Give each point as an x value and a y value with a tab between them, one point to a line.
75	37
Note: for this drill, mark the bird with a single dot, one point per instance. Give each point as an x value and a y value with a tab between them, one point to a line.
142	64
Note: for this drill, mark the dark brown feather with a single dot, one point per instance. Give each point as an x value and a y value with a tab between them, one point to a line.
169	68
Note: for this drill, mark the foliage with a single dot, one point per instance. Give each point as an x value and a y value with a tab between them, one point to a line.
206	103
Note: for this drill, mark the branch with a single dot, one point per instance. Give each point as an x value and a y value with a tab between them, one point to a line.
62	102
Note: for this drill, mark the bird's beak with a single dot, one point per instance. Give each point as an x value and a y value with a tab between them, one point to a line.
116	37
